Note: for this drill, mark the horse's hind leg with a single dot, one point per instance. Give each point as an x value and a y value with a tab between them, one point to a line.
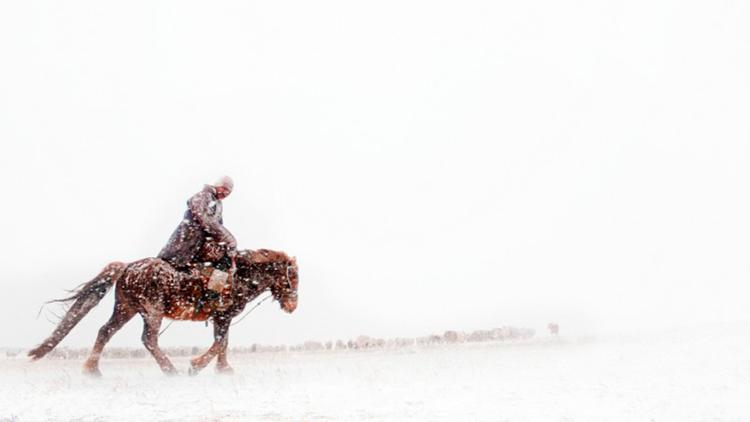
121	315
150	338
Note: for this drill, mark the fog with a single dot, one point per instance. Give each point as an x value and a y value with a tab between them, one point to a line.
432	165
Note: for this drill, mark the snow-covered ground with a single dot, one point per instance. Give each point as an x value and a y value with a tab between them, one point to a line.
680	375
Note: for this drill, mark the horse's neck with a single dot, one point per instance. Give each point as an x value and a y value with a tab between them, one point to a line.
254	287
263	277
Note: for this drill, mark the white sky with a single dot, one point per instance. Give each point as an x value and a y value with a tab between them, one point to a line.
432	164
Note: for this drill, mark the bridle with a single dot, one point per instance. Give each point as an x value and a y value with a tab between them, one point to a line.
288	289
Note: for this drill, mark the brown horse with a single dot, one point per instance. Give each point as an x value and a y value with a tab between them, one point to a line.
152	288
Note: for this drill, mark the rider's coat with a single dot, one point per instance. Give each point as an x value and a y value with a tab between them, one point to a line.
202	220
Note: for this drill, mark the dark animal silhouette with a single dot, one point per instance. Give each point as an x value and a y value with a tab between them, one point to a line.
155	290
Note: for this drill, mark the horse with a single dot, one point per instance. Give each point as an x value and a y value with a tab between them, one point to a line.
154	289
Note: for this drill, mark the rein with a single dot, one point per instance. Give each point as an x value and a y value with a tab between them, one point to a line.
250	310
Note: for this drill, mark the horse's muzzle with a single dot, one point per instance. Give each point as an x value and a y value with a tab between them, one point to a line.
289	305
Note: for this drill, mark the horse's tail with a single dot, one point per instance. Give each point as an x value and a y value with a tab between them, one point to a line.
84	298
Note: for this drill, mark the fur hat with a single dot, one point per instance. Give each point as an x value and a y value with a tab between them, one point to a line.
226	182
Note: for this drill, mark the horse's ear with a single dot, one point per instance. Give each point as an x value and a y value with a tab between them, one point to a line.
294	260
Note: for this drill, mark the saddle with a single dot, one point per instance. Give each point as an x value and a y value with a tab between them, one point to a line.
217	272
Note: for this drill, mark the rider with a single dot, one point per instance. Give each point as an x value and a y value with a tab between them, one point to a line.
202	229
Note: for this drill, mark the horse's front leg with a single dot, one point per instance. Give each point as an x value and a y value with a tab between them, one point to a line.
150	337
222	365
221	329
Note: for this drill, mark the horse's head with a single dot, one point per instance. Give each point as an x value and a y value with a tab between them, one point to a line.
285	288
272	270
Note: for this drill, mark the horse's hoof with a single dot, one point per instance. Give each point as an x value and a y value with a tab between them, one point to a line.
170	372
193	371
92	372
225	370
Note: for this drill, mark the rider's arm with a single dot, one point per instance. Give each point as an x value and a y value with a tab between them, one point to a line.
199	208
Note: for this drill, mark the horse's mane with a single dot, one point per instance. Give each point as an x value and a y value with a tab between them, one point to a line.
262	256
